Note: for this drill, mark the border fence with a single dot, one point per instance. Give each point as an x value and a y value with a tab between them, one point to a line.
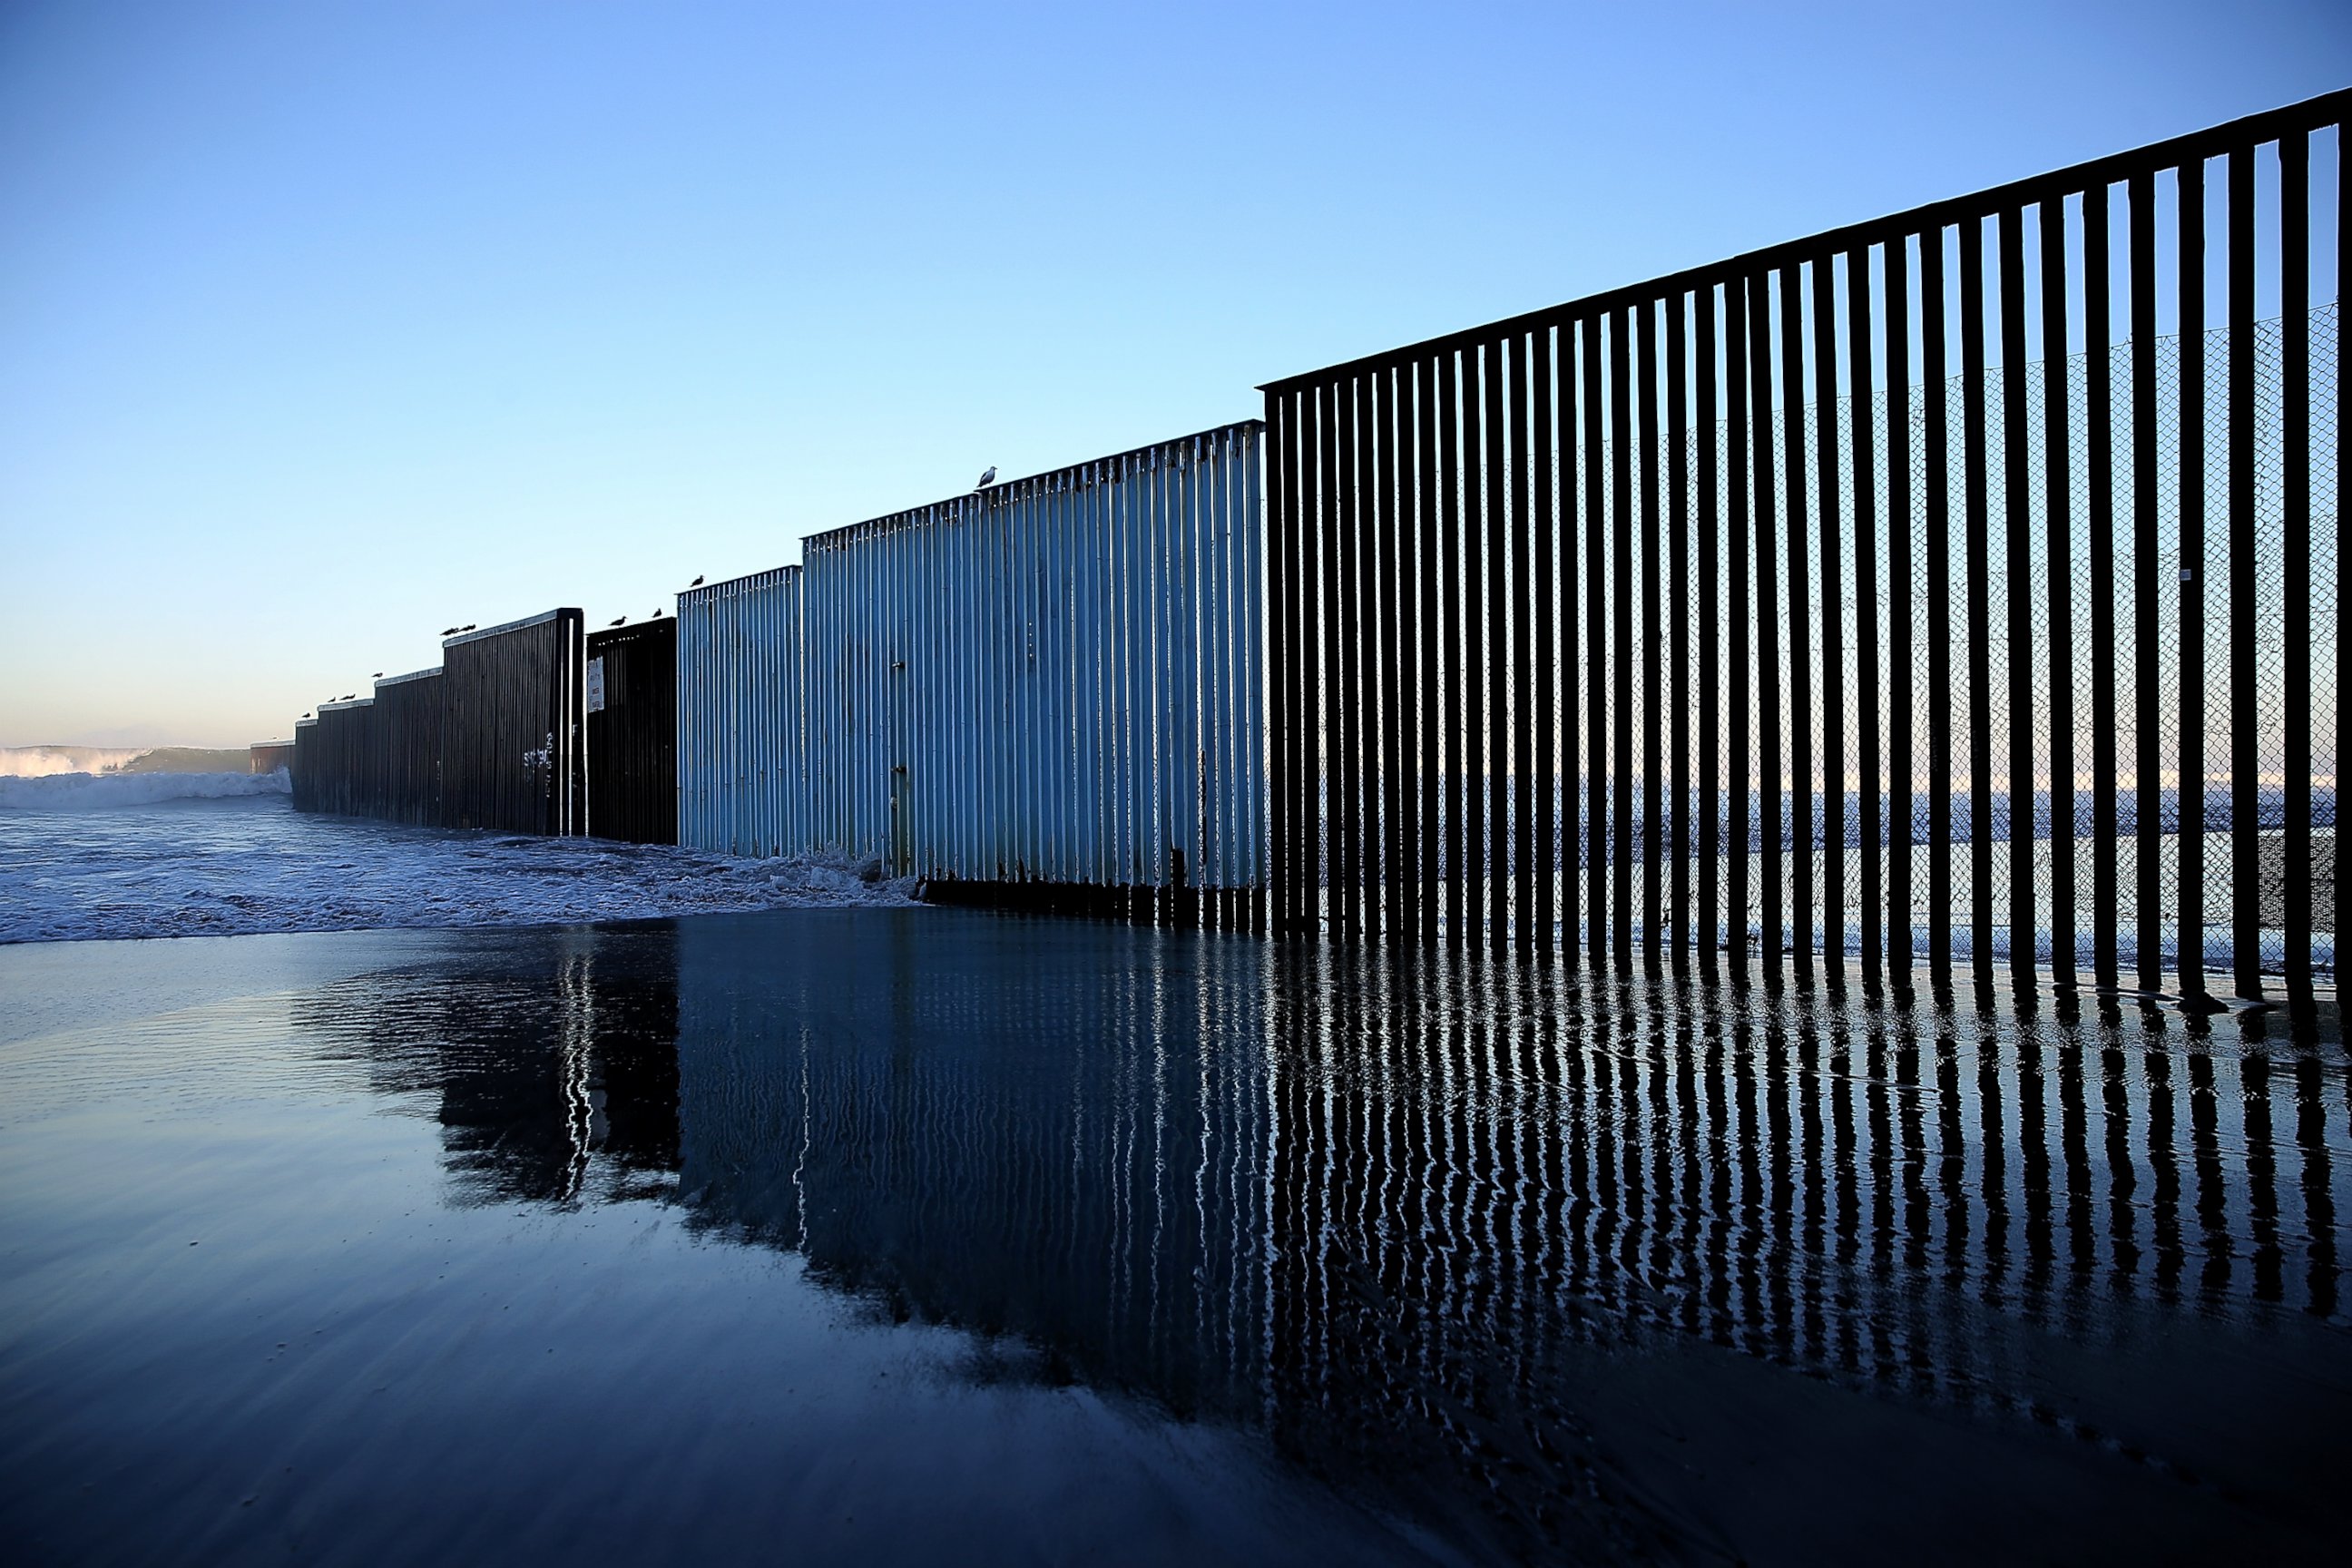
491	739
631	721
1045	693
1957	588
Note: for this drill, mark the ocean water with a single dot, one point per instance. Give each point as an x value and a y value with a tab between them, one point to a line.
888	1236
167	854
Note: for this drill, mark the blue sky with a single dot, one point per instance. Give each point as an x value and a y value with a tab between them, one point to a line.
325	326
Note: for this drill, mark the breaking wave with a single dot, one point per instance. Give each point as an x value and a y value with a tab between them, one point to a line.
80	792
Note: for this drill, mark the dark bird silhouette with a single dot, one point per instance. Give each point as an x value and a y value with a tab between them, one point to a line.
696	583
657	616
377	676
987	479
448	631
306	715
619	620
467	627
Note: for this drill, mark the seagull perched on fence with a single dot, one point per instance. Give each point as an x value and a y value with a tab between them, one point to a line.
697	582
619	620
987	479
448	631
657	612
377	676
466	628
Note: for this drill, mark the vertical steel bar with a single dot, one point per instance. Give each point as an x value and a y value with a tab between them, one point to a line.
2099	491
1797	528
2245	626
1397	645
1543	849
2147	805
1365	654
1652	635
1522	531
2058	550
1286	659
1596	652
1458	644
1331	517
1937	435
2190	274
1709	376
1902	629
1976	521
1479	566
1503	701
2294	414
1430	738
1738	782
1679	616
1620	678
2017	516
2343	546
1771	776
1832	615
1570	841
1873	743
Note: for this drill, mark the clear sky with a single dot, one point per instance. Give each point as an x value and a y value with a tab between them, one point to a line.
324	326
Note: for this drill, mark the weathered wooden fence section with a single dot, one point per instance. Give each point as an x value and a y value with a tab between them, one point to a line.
491	739
1044	693
632	732
1882	594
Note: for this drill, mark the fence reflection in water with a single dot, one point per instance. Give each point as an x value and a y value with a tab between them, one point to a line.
1387	1208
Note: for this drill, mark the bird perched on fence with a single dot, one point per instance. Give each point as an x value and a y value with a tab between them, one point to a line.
620	620
657	615
467	627
987	479
697	582
377	676
448	631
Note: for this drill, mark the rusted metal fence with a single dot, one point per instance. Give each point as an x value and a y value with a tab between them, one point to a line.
632	732
1867	596
1045	693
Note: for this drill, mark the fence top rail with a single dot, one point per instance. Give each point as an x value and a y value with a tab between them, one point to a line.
734	587
327	707
264	745
651	625
539	619
302	724
2251	131
412	675
1048	481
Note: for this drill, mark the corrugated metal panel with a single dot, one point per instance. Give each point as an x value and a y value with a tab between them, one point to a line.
491	740
741	761
511	738
1053	685
632	718
406	757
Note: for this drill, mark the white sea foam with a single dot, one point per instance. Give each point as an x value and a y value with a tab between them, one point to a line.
81	791
40	762
243	861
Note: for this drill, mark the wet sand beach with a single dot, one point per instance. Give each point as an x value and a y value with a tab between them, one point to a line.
903	1234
